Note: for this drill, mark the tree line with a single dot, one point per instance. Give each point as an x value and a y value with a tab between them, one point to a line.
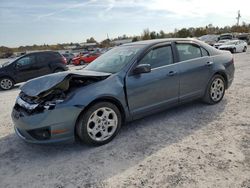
146	35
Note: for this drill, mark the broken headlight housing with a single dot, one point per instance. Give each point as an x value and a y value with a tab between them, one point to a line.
49	105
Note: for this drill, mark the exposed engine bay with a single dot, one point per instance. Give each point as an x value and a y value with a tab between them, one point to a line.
44	93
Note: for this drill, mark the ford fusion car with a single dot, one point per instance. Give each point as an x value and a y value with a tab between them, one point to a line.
126	83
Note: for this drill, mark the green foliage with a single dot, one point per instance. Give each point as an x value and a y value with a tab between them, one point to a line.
146	35
91	40
5	52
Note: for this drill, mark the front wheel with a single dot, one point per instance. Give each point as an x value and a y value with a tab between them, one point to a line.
6	83
215	90
245	49
99	124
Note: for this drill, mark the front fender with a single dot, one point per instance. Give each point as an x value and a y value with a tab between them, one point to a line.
110	88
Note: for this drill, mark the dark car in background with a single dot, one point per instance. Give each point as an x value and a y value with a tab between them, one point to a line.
30	66
126	83
69	57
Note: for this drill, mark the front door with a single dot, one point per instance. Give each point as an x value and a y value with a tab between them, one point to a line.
25	68
157	89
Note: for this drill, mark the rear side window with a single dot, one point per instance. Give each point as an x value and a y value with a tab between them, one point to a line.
158	57
44	58
188	51
56	55
204	52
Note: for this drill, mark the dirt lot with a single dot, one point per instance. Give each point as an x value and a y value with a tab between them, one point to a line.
194	145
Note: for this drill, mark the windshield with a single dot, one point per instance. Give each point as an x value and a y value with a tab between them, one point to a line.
114	60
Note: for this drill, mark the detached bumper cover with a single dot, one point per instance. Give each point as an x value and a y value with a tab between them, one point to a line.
52	120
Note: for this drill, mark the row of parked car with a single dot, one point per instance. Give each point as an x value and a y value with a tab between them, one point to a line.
233	46
37	64
83	57
233	42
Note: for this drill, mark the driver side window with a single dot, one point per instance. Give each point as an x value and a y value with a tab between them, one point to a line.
27	60
158	57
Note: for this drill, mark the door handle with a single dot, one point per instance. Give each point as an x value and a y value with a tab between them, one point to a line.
209	63
172	73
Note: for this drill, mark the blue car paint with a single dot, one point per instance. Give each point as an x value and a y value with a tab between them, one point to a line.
137	95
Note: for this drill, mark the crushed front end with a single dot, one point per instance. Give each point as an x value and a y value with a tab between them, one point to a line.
43	121
43	112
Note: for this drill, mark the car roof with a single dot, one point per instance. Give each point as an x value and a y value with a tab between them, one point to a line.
43	52
156	41
149	43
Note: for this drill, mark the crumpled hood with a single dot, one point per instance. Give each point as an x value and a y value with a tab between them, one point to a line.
41	85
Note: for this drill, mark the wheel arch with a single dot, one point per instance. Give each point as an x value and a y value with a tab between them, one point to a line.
110	99
7	76
224	75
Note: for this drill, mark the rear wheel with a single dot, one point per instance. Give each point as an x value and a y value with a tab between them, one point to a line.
99	124
215	90
6	83
234	51
245	49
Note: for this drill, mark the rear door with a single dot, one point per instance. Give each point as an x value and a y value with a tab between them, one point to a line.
195	67
42	65
156	90
25	69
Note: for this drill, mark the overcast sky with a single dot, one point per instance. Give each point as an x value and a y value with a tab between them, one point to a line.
28	22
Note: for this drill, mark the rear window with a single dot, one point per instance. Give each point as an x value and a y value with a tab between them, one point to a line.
188	51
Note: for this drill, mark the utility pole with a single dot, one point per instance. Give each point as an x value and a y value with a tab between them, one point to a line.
238	18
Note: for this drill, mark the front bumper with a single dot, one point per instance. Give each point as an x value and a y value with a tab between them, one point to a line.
58	124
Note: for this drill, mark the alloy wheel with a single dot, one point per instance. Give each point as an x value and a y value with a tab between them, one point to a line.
102	124
6	84
217	89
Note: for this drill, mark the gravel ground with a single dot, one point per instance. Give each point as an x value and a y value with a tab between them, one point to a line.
194	145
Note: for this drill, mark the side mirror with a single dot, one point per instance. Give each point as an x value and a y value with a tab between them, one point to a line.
142	68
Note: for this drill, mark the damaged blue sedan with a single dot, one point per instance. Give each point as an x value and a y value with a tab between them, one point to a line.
126	83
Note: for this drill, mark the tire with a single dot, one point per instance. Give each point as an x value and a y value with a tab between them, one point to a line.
215	90
6	83
58	70
234	51
82	62
99	124
245	49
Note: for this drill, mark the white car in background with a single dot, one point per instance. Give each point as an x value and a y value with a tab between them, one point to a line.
220	42
234	46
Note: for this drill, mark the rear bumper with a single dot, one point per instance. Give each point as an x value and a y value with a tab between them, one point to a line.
58	124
